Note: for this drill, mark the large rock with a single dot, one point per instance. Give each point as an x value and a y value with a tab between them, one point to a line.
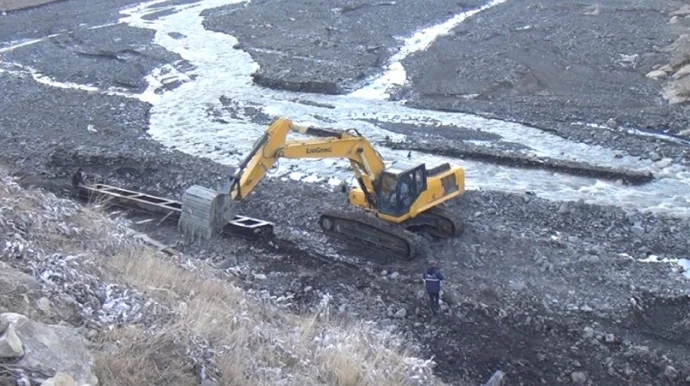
578	377
683	71
51	349
656	74
10	345
12	281
60	379
288	82
682	11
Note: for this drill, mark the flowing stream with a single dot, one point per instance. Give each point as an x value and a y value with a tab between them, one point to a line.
179	117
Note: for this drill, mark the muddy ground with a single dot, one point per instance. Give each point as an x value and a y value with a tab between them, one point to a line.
549	292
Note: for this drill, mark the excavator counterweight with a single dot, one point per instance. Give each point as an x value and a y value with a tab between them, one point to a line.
396	203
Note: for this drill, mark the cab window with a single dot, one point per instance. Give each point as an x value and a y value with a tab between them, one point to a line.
386	195
407	190
419	180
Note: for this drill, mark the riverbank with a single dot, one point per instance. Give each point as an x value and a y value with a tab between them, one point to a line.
550	254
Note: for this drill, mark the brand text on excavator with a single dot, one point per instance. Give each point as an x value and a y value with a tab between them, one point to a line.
318	150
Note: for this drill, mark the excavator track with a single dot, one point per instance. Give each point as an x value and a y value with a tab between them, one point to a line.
359	229
437	222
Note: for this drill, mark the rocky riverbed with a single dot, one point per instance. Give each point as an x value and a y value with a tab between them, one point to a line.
568	270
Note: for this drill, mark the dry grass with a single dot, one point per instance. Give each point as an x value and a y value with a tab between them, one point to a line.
255	342
142	358
258	345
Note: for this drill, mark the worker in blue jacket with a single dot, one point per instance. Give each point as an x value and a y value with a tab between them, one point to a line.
432	278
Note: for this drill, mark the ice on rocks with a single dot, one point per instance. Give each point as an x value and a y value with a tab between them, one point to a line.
72	279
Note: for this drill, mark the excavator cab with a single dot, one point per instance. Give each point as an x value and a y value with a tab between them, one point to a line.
399	187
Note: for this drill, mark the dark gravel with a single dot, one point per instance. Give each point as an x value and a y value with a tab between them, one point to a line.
325	47
567	66
33	129
442	132
653	148
114	56
57	17
536	288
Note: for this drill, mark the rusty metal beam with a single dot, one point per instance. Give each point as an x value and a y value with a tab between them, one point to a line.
171	209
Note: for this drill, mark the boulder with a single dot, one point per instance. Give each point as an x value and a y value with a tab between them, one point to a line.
678	92
682	11
288	82
12	280
656	74
683	71
666	68
51	349
60	379
680	42
10	345
578	377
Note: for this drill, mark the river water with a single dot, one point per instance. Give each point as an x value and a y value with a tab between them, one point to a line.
179	117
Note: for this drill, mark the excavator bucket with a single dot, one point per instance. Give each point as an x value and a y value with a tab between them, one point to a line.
204	213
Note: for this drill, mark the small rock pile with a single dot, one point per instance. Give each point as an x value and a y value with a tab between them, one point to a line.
50	354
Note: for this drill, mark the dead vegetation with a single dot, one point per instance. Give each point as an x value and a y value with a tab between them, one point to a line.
256	344
213	327
131	356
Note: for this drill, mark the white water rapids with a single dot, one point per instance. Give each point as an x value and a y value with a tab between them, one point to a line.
179	118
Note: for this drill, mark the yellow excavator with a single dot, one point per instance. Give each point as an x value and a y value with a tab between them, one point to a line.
398	202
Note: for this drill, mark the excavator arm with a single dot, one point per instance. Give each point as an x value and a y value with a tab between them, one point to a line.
206	211
407	194
366	162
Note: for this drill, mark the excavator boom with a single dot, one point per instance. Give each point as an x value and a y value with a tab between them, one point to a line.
365	160
395	197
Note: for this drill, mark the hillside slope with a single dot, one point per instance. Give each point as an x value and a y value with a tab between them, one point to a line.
73	270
